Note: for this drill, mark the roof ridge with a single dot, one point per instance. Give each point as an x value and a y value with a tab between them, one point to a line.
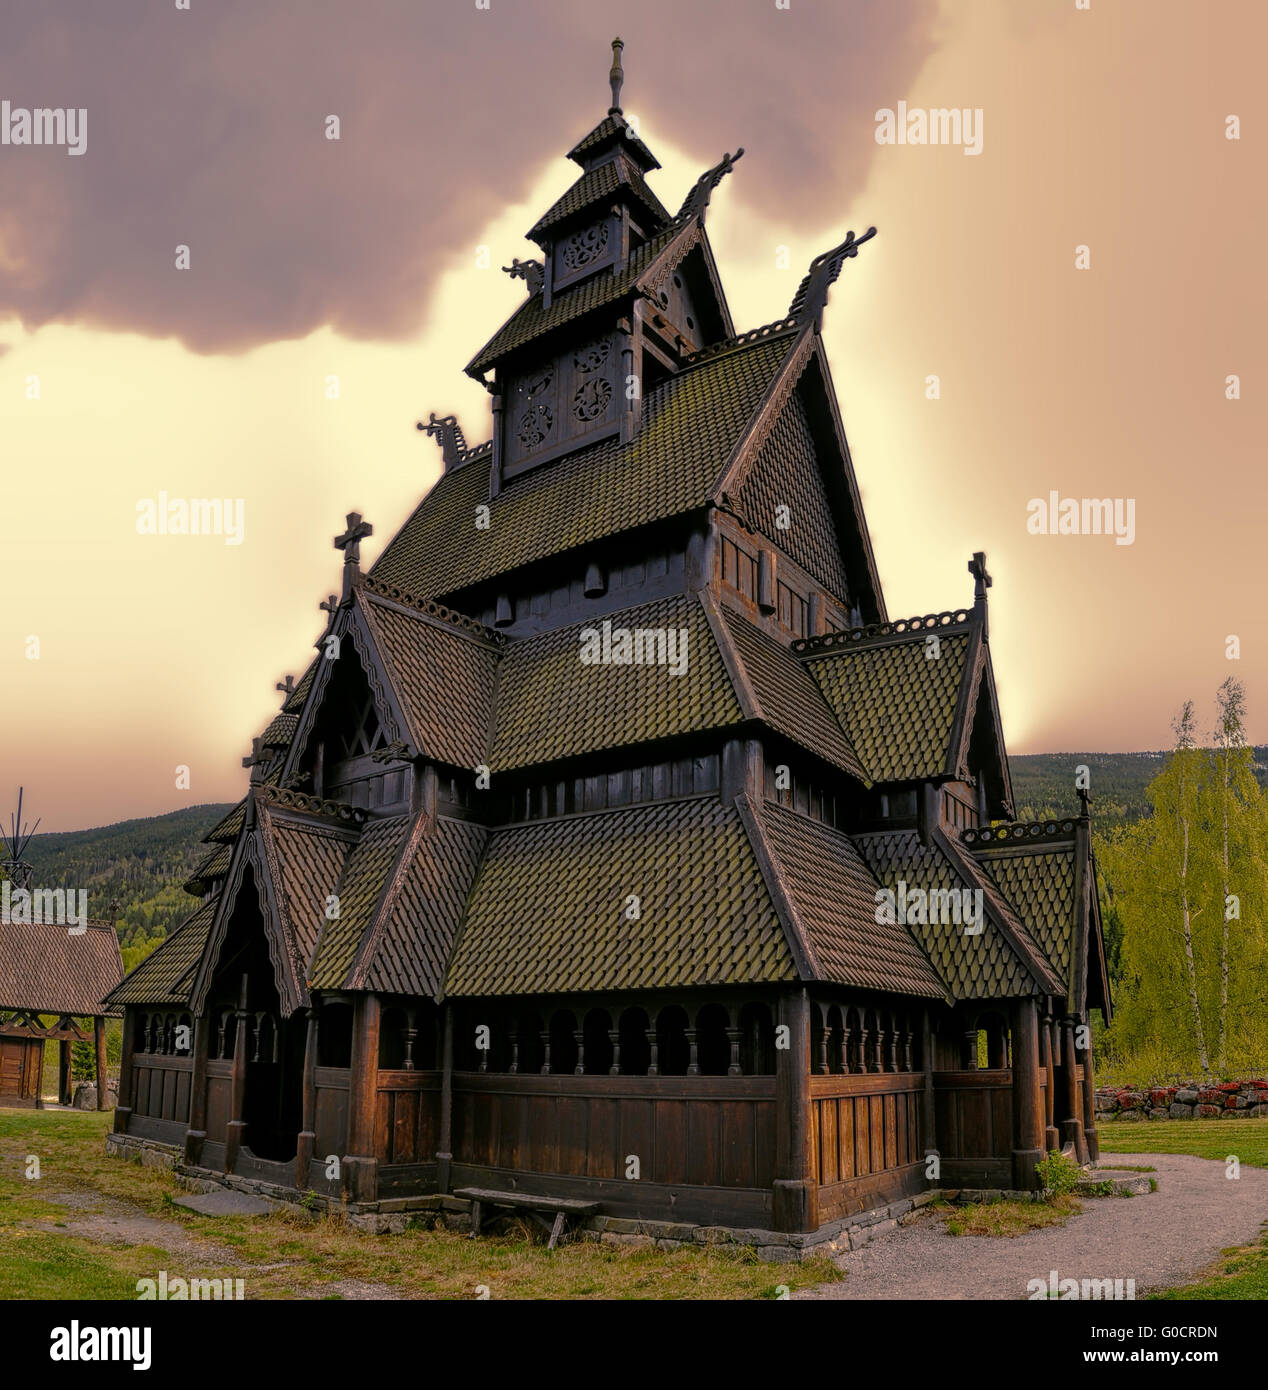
431	609
292	799
739	340
957	617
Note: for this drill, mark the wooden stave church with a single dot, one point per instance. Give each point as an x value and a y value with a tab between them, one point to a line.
491	916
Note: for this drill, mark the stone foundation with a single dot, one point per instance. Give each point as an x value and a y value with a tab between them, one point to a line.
1191	1100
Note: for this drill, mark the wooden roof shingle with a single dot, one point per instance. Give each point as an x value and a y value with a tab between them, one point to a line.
49	969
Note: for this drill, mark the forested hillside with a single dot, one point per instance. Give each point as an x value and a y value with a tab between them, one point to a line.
141	863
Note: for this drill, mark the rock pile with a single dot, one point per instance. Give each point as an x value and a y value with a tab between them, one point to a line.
1190	1100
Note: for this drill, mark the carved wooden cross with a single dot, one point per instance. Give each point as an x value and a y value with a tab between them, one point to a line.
977	568
256	755
329	606
287	687
350	541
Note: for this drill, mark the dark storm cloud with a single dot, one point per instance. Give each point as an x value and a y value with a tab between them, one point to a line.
206	128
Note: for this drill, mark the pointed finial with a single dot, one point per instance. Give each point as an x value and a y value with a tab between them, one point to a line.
616	77
981	582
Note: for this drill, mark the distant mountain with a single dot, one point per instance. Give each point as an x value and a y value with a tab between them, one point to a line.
142	863
1043	784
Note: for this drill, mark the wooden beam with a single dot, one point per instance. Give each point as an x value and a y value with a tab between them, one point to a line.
196	1134
444	1153
795	1193
1090	1134
308	1134
1072	1119
99	1042
1027	1104
360	1164
63	1073
236	1128
123	1111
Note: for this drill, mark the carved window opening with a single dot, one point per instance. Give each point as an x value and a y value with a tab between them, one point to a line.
583	247
757	1040
713	1045
334	1036
671	1041
636	1046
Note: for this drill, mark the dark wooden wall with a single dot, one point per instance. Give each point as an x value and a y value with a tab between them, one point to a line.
974	1119
865	1140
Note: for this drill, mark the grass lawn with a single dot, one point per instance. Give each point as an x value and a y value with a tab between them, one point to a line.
45	1254
1247	1139
1005	1218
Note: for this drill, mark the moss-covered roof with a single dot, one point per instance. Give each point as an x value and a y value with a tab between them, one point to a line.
978	966
166	975
897	700
551	705
595	493
598	185
551	908
834	896
226	831
362	882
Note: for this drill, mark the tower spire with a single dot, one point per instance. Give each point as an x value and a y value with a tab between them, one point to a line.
616	77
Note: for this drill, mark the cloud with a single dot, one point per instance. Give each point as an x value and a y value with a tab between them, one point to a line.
206	128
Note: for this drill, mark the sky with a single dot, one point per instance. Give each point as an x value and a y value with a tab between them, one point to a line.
1068	301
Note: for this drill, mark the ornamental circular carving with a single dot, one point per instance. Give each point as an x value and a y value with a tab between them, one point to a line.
585	246
591	357
591	398
534	425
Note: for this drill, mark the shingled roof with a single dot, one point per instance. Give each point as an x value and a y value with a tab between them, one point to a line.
598	185
991	964
900	695
595	493
48	969
549	912
833	896
166	975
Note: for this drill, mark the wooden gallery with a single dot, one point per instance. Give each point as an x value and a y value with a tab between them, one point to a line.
493	916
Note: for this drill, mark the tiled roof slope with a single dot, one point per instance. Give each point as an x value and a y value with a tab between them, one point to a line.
692	423
226	831
552	706
610	126
411	947
46	969
548	913
897	704
973	967
791	702
214	866
1040	889
444	680
597	185
834	896
306	862
786	473
364	877
166	975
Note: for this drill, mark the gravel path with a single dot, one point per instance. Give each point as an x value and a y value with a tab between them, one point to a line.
1161	1238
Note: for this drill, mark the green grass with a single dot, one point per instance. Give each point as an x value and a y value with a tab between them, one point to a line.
1241	1275
1008	1218
1246	1139
291	1254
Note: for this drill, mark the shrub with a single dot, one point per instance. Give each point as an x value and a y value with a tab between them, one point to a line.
1057	1174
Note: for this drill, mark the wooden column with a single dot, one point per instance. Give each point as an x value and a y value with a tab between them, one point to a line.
236	1127
123	1111
1051	1138
444	1154
99	1039
196	1134
1092	1138
63	1073
927	1121
308	1133
1027	1103
1072	1116
39	1075
360	1164
795	1193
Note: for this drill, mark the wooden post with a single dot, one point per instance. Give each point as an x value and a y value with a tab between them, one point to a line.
444	1154
99	1039
360	1165
1051	1138
196	1134
795	1192
39	1073
123	1111
1027	1113
308	1133
1072	1119
1089	1101
236	1127
928	1124
63	1073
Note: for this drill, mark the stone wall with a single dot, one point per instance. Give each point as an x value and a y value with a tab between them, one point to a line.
1190	1100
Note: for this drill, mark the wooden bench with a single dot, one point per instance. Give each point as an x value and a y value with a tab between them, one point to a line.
539	1208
